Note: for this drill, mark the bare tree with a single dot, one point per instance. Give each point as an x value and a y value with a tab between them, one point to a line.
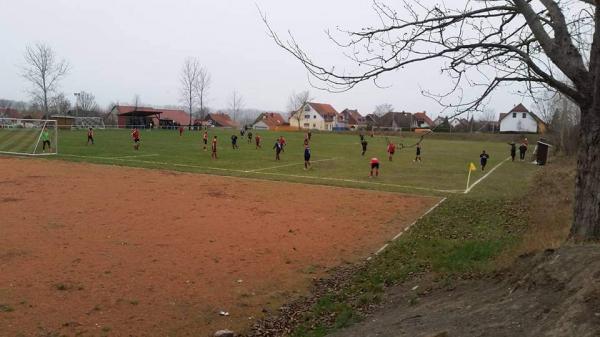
483	45
236	104
137	101
296	103
86	103
44	72
189	83
59	104
383	109
202	88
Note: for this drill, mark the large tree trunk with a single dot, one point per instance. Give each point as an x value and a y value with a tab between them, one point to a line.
586	222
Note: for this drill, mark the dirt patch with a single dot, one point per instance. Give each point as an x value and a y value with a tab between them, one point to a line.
552	294
145	253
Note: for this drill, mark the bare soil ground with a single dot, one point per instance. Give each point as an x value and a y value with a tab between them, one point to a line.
552	294
96	250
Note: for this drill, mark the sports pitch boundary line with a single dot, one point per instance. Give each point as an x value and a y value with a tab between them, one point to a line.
485	176
293	164
384	247
267	173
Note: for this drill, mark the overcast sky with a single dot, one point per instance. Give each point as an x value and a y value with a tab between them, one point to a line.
120	48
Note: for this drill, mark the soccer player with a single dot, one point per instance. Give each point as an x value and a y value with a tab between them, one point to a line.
249	137
522	151
513	150
205	139
90	136
391	149
278	147
483	158
282	142
180	131
306	157
309	135
364	146
362	137
374	167
135	135
46	140
234	139
257	140
213	147
418	155
306	139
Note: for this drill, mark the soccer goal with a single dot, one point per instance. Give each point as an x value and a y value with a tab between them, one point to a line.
31	137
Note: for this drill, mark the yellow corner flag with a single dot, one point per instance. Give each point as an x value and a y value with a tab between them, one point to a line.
472	167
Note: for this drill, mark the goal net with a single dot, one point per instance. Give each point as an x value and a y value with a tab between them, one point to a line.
28	136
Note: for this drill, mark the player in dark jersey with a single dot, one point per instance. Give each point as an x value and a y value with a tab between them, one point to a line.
306	157
205	139
363	143
234	144
278	148
213	148
483	158
249	137
418	155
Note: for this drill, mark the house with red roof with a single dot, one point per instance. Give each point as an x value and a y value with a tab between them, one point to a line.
9	113
140	116
317	116
218	119
270	121
353	119
521	120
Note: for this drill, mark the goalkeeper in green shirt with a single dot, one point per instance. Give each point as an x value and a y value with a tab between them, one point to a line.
46	140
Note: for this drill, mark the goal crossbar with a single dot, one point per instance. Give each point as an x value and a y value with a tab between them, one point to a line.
23	136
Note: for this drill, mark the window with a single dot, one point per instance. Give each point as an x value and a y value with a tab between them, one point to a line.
306	125
314	116
514	115
306	116
524	115
306	108
314	125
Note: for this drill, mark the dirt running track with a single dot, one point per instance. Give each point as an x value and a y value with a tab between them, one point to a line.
91	250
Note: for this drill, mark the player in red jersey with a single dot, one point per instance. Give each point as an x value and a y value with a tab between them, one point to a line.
391	149
205	139
180	131
90	136
135	135
257	140
282	142
374	167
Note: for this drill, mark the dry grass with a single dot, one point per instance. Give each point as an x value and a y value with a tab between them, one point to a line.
549	210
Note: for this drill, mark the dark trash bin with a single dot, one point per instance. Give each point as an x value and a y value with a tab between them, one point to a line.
543	149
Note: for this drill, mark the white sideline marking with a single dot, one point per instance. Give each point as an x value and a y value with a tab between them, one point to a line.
485	176
407	228
268	173
293	164
135	156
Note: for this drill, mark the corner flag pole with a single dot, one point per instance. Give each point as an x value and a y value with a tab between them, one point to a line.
471	169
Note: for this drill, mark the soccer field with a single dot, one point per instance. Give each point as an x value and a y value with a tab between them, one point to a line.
336	158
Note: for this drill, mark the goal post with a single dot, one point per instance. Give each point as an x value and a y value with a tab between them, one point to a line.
30	137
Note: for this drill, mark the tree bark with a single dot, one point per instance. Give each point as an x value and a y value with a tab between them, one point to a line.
586	222
586	219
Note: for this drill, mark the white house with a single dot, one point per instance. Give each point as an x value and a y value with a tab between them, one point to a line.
316	116
521	120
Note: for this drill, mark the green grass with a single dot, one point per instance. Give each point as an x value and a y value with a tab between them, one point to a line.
336	157
461	238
